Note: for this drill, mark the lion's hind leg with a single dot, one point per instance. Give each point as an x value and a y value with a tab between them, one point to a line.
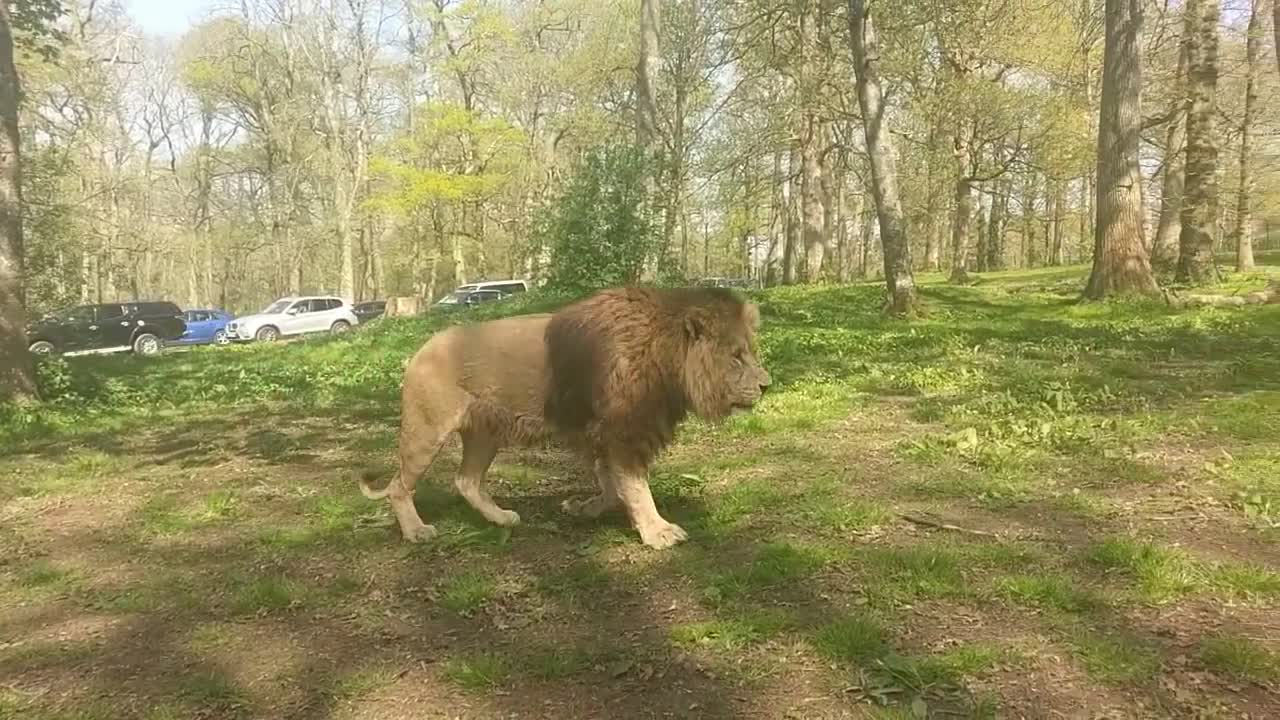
478	451
596	505
424	429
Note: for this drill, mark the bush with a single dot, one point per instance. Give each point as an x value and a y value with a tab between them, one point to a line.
603	228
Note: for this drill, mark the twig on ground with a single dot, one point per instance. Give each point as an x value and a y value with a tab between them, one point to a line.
938	524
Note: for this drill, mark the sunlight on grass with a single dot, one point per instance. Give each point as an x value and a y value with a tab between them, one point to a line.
1162	575
1054	592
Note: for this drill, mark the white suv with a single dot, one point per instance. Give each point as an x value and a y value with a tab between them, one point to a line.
295	316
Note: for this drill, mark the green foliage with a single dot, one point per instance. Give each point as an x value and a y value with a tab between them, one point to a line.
602	229
34	24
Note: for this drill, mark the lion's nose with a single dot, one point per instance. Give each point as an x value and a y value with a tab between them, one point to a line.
764	383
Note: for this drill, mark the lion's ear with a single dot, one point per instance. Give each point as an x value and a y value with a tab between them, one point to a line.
751	313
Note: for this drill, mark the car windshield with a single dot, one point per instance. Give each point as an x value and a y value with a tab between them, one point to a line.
276	307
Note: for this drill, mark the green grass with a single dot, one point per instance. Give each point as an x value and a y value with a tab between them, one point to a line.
208	493
464	594
265	594
483	671
1054	592
1114	658
857	638
734	633
1162	575
1240	658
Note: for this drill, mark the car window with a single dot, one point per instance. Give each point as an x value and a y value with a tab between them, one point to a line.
510	287
80	314
109	312
302	306
332	304
276	307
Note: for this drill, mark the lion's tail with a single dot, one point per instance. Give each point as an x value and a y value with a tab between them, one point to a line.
362	479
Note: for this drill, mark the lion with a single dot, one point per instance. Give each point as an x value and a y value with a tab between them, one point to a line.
610	377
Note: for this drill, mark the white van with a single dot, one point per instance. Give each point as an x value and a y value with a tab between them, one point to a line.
506	287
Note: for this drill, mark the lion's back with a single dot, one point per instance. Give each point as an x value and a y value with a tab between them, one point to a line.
499	365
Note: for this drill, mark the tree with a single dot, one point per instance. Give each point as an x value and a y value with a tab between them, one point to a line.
899	281
1200	194
1164	245
1275	29
1243	232
1120	262
646	71
17	376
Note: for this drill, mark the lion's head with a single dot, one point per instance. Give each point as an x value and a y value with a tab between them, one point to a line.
722	374
627	364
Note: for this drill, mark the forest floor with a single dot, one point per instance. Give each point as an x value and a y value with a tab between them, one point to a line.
1017	507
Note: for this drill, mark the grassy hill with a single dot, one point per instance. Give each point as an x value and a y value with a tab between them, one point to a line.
1016	506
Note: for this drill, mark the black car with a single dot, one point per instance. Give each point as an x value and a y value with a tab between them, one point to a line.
367	311
142	327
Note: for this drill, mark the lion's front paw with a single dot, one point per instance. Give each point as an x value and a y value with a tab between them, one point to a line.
661	537
421	533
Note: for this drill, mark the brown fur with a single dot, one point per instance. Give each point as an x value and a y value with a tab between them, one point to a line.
610	376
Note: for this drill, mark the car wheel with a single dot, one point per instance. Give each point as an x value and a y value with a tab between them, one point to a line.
146	344
267	334
339	327
220	338
41	347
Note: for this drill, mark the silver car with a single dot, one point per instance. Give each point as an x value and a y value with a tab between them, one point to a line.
295	316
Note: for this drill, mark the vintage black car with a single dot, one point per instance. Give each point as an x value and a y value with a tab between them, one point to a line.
140	327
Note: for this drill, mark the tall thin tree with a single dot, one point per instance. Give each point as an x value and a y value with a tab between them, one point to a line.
899	281
1243	231
1120	262
17	377
1200	196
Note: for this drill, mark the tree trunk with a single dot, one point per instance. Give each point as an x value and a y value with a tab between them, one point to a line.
17	375
1275	29
811	204
899	282
1120	263
962	215
1243	232
1199	201
646	71
791	226
984	218
996	226
1164	245
1055	239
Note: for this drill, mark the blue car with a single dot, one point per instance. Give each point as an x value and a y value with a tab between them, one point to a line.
204	327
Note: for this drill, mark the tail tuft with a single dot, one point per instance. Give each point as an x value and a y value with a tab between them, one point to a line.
363	477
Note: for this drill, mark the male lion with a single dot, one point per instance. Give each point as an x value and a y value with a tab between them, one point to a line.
610	377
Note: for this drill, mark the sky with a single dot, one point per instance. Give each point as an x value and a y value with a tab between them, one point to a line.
168	17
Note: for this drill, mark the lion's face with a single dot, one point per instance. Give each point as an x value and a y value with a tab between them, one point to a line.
723	375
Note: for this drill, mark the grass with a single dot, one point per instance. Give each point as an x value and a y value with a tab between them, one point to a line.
1100	467
1240	658
464	594
483	671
